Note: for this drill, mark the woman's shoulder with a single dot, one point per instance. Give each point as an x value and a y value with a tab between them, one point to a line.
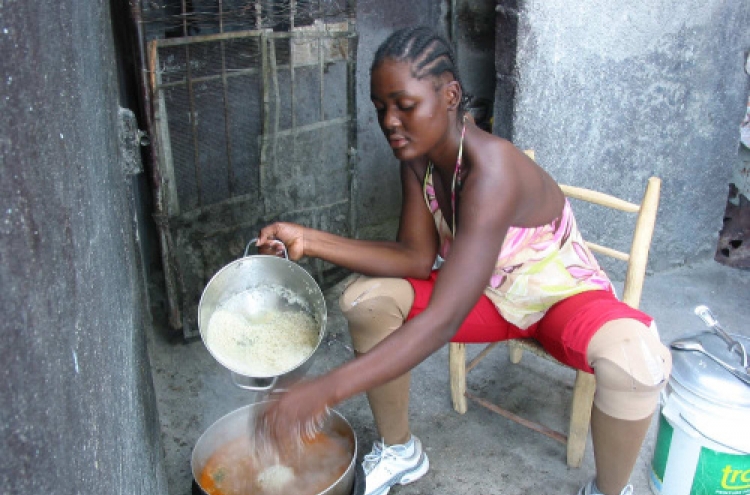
493	153
512	173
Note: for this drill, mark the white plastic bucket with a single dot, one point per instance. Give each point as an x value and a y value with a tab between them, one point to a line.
702	445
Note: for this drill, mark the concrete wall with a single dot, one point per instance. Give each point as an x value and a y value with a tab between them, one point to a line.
377	182
609	93
474	38
77	407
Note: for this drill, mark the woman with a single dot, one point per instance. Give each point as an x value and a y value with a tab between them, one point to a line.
514	266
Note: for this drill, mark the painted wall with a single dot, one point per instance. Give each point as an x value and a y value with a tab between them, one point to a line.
77	407
609	93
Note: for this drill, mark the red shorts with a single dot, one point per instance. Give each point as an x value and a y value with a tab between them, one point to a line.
564	331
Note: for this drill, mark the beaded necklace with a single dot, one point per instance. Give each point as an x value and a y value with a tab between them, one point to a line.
456	177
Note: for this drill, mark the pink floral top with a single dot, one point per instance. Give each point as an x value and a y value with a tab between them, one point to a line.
536	267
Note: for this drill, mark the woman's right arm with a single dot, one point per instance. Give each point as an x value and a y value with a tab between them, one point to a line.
411	255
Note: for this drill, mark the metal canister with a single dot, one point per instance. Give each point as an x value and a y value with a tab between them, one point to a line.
703	442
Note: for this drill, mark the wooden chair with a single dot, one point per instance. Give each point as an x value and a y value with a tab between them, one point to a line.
583	392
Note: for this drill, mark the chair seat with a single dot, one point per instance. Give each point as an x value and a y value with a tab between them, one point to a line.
530	345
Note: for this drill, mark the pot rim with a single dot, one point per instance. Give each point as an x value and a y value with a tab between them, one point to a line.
348	471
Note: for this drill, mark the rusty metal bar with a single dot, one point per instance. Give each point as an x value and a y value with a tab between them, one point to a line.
192	40
554	435
274	71
351	100
480	356
174	314
167	199
301	35
321	75
266	113
191	100
184	19
221	16
193	125
292	81
225	100
229	74
339	121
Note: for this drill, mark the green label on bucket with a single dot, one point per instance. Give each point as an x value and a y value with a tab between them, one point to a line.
716	473
661	450
722	474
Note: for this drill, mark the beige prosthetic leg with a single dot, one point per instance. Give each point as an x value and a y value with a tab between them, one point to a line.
374	308
631	368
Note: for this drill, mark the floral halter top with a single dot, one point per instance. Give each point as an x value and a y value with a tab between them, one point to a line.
536	267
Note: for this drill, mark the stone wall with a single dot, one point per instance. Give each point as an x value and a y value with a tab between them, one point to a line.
77	407
609	93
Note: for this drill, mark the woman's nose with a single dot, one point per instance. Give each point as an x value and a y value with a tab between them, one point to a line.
390	119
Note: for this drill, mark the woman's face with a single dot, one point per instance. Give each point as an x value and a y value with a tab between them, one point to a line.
412	113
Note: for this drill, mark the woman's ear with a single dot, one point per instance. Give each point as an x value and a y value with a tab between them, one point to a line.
453	94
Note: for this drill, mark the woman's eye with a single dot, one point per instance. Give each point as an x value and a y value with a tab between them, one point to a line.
406	107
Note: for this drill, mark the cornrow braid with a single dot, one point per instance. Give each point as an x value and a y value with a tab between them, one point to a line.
428	53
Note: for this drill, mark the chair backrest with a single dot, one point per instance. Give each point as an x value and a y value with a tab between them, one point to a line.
637	258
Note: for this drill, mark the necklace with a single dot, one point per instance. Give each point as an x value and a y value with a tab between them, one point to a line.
456	176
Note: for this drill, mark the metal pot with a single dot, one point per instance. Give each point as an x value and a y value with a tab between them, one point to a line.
237	423
266	283
703	437
716	399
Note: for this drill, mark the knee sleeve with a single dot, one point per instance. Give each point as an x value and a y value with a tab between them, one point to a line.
631	366
374	308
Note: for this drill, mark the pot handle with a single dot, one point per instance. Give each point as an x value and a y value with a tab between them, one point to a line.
255	241
254	388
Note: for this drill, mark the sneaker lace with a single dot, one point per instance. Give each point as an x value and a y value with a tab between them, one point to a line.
379	452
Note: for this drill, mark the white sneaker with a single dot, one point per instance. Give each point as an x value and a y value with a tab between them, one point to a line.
590	488
388	465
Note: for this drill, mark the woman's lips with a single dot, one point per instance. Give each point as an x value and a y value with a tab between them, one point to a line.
397	141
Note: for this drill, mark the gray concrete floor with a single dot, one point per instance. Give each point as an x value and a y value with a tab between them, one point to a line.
478	453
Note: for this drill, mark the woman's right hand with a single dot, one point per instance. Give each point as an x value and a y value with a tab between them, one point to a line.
293	415
292	235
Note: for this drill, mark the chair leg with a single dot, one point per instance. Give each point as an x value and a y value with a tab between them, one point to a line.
580	417
515	352
457	367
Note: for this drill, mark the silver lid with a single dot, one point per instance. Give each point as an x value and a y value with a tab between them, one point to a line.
703	376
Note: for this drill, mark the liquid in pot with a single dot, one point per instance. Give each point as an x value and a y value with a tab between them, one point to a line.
232	470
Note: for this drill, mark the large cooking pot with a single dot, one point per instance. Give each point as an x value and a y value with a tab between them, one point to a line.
236	425
255	285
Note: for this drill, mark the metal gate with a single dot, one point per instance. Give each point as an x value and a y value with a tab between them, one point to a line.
249	126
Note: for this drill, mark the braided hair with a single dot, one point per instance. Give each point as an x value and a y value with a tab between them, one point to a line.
428	53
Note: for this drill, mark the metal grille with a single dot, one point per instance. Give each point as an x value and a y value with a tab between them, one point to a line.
250	126
178	18
209	104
